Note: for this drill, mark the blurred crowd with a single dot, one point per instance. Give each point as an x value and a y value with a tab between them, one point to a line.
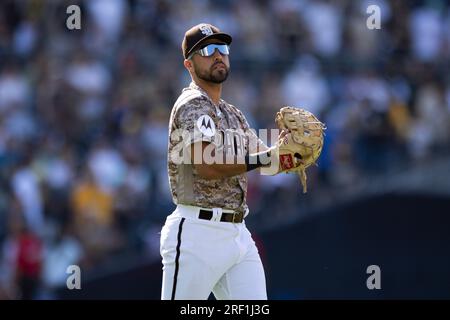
84	113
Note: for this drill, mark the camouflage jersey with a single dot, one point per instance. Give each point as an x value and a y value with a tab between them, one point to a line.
195	118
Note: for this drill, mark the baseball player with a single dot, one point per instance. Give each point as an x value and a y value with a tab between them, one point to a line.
205	245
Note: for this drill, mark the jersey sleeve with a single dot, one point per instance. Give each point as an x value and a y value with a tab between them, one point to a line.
196	119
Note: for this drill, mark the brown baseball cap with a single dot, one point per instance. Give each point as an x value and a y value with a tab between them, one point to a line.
194	37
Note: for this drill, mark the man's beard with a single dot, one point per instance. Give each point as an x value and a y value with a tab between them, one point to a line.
212	75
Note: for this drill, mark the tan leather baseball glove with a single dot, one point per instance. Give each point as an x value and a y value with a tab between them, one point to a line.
307	137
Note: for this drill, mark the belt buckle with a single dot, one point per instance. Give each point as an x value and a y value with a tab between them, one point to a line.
217	213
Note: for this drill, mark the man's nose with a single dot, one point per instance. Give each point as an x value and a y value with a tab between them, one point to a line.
217	55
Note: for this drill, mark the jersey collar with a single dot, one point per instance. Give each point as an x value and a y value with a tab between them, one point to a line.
195	86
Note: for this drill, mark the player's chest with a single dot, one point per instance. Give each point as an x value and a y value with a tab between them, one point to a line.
230	132
226	119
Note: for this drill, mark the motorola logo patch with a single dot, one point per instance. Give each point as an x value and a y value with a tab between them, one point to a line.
206	125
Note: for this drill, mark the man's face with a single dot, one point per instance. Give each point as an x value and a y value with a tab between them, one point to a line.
214	68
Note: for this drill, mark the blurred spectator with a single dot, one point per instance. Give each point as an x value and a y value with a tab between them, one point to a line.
14	89
107	166
323	19
22	260
87	75
29	263
62	250
430	129
94	219
427	32
305	86
25	184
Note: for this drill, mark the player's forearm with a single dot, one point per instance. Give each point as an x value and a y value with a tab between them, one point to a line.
220	171
232	166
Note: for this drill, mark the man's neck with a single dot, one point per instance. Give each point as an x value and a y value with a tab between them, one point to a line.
214	90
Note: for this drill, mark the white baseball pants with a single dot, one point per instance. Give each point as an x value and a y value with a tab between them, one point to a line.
204	256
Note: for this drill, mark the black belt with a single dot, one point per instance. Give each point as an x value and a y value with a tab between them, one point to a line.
236	217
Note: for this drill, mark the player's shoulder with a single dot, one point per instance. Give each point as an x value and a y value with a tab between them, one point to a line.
231	106
191	105
188	97
236	110
192	98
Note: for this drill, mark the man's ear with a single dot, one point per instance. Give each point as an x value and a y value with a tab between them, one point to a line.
188	64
